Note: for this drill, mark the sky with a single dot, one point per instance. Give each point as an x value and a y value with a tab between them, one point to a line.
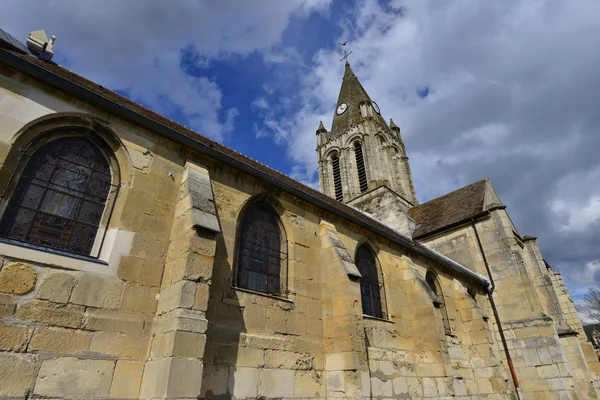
508	90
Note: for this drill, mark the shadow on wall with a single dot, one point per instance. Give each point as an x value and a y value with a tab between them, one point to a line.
224	334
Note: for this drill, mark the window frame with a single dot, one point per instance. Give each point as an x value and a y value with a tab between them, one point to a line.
267	205
361	174
20	166
432	280
378	274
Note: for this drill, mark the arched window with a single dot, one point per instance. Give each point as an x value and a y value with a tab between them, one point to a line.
370	287
337	178
434	285
261	251
360	167
60	196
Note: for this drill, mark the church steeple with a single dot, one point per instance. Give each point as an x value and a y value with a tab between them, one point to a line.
362	157
352	96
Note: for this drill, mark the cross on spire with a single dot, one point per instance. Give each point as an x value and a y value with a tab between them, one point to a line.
346	55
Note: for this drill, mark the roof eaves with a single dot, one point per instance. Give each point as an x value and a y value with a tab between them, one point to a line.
67	85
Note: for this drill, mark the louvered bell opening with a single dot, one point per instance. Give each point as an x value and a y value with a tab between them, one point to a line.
337	178
360	166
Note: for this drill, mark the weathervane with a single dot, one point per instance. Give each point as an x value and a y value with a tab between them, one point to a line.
346	54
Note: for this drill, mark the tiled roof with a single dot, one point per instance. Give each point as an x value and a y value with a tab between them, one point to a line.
449	209
69	81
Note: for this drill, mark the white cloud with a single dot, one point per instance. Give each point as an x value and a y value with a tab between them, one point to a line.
136	46
514	91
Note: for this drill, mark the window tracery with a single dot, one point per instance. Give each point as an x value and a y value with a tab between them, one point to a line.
60	196
261	251
370	286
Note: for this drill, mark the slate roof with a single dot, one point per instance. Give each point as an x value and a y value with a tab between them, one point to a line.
70	82
9	41
352	93
450	209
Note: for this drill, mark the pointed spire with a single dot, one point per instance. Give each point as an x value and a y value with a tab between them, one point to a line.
347	110
321	128
393	125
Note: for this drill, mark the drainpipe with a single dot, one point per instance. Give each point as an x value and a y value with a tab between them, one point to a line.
490	293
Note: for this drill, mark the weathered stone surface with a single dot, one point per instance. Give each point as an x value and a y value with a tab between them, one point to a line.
127	379
119	345
13	337
115	321
17	278
66	315
7	305
276	383
97	291
16	375
140	271
60	340
56	287
139	299
72	378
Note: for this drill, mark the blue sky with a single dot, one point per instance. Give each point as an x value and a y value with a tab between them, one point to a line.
505	90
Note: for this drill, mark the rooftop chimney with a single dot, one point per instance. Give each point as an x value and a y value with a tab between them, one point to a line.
38	44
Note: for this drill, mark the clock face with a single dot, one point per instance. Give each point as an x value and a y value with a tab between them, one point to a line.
375	107
341	108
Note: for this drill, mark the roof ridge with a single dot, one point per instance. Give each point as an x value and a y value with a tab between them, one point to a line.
454	191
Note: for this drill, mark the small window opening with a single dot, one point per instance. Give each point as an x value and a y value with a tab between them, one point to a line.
360	166
337	179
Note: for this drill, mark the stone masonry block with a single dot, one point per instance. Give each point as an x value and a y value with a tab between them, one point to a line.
119	345
115	321
72	378
66	315
56	287
201	297
7	305
179	383
276	383
140	271
215	380
16	375
178	295
17	278
60	340
243	382
309	384
127	379
139	299
188	344
13	337
97	291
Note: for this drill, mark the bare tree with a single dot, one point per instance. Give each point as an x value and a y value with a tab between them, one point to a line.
591	304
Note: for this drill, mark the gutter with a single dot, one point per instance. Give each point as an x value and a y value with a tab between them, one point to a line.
61	83
490	294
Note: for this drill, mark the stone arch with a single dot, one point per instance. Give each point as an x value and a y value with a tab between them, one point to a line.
54	131
52	123
272	205
371	284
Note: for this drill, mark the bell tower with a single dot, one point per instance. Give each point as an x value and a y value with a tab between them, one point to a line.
362	159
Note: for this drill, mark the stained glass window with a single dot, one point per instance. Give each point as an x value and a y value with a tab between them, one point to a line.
260	252
60	197
370	288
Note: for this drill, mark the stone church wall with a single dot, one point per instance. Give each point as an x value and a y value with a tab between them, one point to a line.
543	360
158	315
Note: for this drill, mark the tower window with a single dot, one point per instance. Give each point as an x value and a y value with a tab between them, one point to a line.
360	166
261	252
370	287
337	178
60	198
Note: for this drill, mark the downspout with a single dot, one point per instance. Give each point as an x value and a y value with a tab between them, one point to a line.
490	294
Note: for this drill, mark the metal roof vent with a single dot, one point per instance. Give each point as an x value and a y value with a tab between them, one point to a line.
38	44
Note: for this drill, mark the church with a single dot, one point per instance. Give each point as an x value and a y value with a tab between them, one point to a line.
141	260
